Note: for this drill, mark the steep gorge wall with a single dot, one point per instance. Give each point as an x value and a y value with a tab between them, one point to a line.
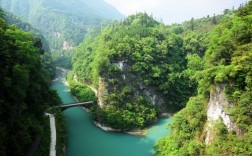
217	109
63	23
102	92
127	78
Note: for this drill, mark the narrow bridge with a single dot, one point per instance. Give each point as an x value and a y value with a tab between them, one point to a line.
66	106
52	122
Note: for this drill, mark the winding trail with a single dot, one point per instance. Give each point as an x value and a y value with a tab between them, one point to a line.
93	89
53	135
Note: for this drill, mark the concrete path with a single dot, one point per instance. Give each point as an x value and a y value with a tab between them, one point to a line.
53	135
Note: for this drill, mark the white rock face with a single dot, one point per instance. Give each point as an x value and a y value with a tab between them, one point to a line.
67	46
102	92
124	76
120	65
217	109
153	97
56	34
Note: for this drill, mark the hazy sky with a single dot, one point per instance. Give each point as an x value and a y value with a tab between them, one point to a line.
175	11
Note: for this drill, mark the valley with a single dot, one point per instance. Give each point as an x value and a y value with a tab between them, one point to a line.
184	87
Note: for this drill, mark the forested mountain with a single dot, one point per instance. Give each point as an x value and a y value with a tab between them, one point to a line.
200	70
217	121
63	23
24	89
141	68
137	67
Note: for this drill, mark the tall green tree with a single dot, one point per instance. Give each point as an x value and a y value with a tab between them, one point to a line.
24	90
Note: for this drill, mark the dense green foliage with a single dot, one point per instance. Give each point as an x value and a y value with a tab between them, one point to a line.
138	66
47	60
63	23
45	138
61	131
61	20
227	62
123	114
129	58
24	90
81	91
186	131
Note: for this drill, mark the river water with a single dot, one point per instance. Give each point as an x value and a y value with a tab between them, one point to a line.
84	139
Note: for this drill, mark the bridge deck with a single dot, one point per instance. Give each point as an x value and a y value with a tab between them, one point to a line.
73	105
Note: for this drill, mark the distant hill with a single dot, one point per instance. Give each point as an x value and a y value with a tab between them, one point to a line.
63	23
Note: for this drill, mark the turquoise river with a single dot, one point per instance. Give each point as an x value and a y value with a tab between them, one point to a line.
85	139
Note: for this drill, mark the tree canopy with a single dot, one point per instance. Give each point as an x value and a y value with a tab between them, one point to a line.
135	58
227	61
63	23
24	89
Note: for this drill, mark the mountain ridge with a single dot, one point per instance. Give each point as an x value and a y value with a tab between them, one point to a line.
63	23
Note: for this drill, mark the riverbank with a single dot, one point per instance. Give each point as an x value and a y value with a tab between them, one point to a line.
137	132
58	133
165	115
83	134
59	118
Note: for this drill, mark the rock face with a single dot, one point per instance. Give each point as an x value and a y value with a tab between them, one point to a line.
102	92
124	78
67	46
56	34
217	108
152	94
